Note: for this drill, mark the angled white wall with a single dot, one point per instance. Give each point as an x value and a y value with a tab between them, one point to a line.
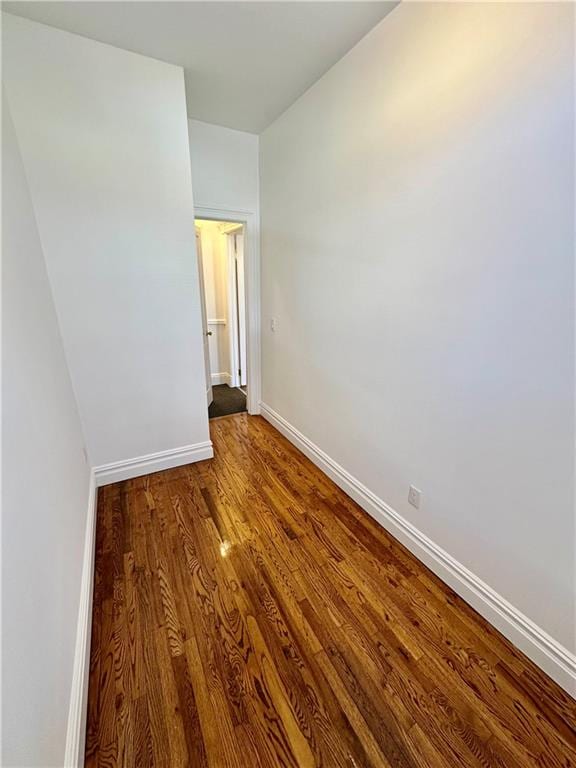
418	254
104	140
45	490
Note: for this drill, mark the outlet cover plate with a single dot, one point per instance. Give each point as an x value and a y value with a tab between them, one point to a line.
414	497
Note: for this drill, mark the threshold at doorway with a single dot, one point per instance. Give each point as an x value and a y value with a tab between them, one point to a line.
227	400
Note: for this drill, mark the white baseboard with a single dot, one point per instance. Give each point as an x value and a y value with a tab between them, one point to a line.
108	473
221	378
538	645
154	462
76	732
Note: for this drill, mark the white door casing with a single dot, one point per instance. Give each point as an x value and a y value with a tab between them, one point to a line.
205	332
237	307
252	292
241	305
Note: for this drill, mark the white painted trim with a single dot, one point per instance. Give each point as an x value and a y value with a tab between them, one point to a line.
205	332
109	473
250	219
76	731
153	462
238	361
221	378
232	313
220	214
556	660
234	349
229	227
217	321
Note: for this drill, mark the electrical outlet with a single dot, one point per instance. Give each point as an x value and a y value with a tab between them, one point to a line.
273	324
414	496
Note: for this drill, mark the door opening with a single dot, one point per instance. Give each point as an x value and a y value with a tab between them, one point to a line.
220	247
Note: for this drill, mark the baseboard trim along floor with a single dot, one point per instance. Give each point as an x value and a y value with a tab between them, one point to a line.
538	645
76	731
103	475
153	462
221	378
542	649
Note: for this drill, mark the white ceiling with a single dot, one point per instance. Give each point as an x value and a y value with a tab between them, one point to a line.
244	62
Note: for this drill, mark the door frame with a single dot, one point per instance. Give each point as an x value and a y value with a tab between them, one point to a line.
236	308
251	291
205	341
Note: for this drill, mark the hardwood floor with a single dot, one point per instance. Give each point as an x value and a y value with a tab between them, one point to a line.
248	614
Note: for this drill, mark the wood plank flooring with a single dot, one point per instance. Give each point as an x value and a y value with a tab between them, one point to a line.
248	614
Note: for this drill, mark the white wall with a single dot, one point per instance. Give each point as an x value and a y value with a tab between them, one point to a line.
224	167
104	140
417	250
45	491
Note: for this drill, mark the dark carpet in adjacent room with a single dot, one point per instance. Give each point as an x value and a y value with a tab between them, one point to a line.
227	400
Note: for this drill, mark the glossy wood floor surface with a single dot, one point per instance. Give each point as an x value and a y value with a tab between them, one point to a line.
247	613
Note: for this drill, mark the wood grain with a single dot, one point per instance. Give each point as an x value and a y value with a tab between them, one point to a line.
248	614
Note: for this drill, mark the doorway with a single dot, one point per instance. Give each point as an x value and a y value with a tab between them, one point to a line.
220	246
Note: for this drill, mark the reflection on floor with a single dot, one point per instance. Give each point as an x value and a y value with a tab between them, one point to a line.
227	400
248	614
